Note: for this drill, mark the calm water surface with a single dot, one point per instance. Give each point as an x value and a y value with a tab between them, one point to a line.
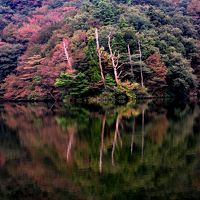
138	151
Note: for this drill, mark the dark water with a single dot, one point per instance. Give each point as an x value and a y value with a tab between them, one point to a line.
138	151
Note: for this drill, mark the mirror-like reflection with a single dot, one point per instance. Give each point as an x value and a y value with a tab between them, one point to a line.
138	151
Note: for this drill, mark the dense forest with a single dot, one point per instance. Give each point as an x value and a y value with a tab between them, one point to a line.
99	49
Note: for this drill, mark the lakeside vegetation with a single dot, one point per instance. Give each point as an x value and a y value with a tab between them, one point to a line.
99	49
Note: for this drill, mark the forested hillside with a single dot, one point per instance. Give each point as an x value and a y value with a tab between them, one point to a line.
53	49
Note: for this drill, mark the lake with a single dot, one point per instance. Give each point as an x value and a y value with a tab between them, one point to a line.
144	150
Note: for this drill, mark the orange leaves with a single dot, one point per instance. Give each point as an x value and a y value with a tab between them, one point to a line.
66	41
194	6
28	31
157	81
40	19
58	55
155	63
36	62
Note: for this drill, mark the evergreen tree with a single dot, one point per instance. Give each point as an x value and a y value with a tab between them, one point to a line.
73	84
105	11
92	61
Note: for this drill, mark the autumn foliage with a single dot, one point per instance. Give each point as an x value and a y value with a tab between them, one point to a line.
194	7
140	47
154	62
35	75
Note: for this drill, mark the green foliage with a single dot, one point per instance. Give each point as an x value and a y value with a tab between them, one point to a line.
180	77
92	61
123	23
109	80
37	79
119	43
158	32
128	88
75	85
161	28
105	11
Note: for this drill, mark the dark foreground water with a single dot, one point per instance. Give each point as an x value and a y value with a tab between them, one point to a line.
142	151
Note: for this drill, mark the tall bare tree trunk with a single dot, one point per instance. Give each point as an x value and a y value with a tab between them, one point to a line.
100	56
114	59
141	71
66	50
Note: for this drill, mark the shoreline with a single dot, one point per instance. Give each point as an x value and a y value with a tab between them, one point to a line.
103	100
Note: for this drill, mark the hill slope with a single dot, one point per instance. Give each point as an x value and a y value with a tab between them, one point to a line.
35	37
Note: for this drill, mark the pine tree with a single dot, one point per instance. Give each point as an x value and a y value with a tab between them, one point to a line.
71	84
92	61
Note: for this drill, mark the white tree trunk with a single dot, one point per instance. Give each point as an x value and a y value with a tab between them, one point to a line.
69	63
100	56
114	59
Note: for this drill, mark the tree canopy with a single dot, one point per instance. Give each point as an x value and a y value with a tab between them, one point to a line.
151	44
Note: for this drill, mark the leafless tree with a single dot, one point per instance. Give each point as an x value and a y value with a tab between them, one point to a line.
99	52
66	51
114	56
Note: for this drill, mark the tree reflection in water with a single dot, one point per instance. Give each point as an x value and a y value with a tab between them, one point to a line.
137	151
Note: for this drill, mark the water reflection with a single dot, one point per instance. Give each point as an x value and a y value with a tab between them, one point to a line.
138	151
